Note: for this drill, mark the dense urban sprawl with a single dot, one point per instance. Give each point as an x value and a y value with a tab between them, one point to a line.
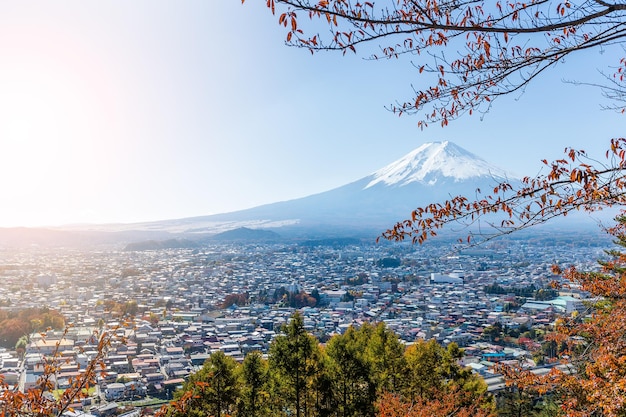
494	301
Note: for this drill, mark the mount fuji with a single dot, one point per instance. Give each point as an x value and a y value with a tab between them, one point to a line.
433	172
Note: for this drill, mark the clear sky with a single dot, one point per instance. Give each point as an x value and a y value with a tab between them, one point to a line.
123	111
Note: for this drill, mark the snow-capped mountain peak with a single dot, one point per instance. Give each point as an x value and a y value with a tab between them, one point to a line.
432	162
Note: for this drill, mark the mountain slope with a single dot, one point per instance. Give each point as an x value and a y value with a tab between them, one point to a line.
431	173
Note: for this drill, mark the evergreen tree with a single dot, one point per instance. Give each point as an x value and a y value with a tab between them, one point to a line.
424	373
433	371
293	356
214	389
323	388
386	354
254	374
350	369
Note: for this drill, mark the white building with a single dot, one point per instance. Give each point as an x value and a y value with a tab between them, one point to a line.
453	278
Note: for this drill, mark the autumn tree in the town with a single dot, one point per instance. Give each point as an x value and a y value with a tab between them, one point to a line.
12	330
232	299
19	323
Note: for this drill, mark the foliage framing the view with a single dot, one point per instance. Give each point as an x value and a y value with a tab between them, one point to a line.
498	49
476	50
575	182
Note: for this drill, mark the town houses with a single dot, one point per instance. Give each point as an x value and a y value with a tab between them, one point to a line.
170	309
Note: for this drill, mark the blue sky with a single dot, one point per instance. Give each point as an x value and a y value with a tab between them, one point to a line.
116	111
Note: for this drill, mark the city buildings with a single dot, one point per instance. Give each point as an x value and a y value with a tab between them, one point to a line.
177	301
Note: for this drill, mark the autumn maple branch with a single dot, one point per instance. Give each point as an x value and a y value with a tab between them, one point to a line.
389	19
566	188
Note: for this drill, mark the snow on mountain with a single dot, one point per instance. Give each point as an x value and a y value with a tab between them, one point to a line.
432	161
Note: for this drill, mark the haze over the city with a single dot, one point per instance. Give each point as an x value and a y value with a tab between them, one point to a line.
136	111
